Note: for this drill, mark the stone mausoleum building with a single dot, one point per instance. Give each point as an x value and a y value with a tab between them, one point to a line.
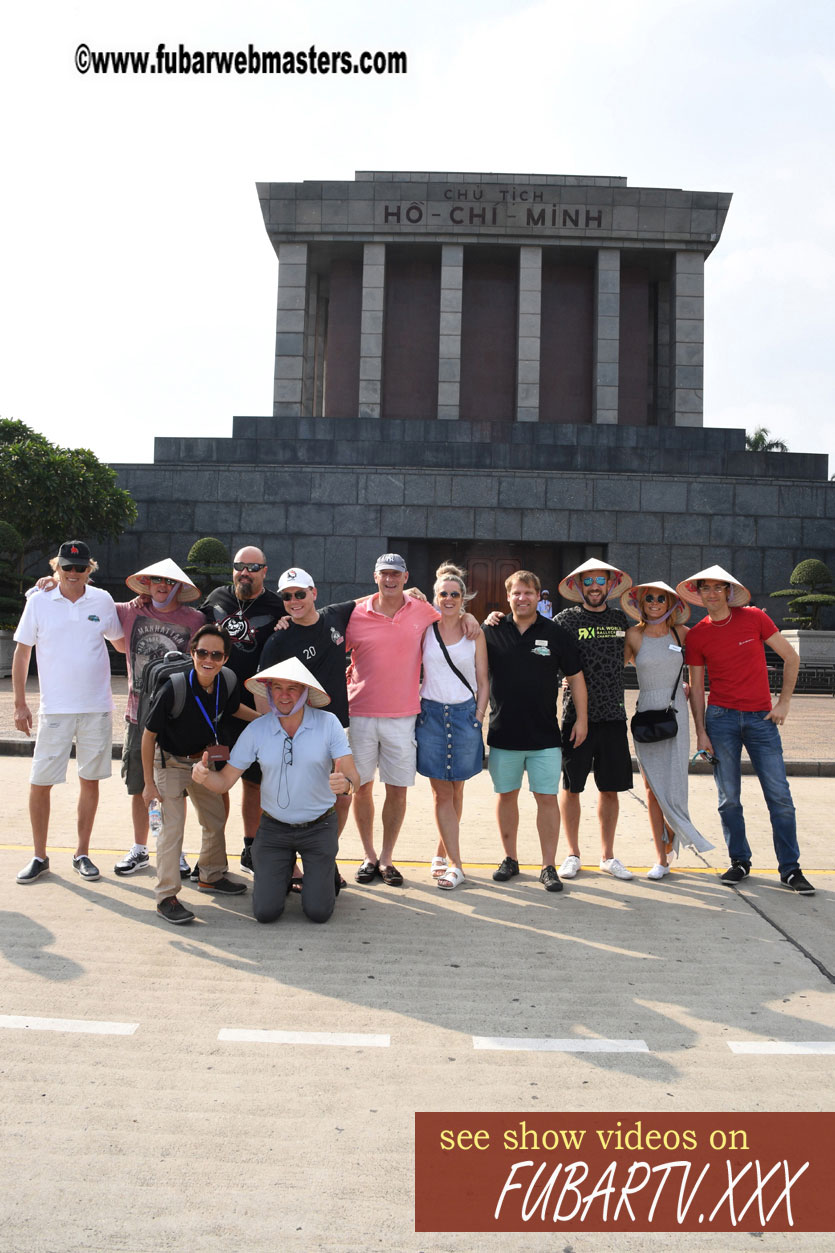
502	369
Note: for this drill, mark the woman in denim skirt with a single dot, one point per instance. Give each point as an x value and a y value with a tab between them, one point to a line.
450	746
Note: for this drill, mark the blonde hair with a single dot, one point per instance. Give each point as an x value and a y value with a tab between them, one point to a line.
447	572
522	576
92	566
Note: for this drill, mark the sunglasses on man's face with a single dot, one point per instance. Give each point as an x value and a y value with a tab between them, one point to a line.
167	582
252	566
299	595
600	579
75	569
649	599
215	653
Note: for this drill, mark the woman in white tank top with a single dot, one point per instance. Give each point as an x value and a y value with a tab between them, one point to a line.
448	729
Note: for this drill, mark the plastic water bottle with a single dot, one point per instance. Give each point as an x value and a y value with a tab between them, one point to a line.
155	818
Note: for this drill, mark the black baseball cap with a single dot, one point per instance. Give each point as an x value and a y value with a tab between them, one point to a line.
74	553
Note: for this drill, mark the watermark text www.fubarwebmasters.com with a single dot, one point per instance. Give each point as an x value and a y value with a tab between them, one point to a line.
249	60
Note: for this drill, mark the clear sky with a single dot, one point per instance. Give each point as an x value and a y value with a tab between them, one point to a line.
137	283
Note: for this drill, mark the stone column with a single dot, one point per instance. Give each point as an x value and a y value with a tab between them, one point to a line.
323	294
449	348
371	330
606	336
291	319
529	334
687	335
309	372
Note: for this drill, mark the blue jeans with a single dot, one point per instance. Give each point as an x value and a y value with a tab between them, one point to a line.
729	731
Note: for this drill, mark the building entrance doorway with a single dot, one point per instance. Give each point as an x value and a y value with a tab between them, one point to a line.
488	564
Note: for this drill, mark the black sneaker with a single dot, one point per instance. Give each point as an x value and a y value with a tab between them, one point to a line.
736	872
195	872
549	879
796	881
246	856
34	870
172	911
506	870
222	886
83	866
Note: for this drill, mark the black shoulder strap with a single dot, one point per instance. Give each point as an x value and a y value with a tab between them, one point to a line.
681	671
449	660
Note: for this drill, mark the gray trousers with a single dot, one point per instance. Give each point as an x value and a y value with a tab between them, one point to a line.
274	850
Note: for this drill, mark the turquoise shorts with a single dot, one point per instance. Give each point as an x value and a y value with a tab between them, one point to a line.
507	765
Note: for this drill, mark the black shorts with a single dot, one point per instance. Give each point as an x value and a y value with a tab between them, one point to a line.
606	748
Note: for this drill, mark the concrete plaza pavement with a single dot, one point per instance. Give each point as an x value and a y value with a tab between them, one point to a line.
174	1135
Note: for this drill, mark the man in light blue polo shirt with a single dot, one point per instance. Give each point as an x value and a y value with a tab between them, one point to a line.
305	762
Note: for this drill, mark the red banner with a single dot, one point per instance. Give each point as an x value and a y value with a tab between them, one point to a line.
624	1172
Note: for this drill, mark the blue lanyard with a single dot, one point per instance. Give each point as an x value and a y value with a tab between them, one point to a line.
201	707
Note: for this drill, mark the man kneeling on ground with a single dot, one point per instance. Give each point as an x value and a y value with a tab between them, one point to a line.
305	762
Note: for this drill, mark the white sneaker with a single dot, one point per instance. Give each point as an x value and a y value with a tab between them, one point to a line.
616	868
570	867
658	871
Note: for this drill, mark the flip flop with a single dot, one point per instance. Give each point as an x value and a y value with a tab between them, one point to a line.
437	866
453	878
391	876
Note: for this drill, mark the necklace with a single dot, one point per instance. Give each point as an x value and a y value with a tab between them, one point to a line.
723	623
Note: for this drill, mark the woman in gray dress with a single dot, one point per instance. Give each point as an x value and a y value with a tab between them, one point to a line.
656	648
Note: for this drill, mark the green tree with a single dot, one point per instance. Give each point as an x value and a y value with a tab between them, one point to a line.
758	441
209	564
55	493
811	592
11	599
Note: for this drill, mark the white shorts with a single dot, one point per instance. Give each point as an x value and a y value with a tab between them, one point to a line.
93	735
385	742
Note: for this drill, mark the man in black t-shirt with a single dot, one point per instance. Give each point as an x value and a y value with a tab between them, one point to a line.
248	613
528	655
599	632
317	638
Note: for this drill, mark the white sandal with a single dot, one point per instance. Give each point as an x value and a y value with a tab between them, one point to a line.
452	878
438	867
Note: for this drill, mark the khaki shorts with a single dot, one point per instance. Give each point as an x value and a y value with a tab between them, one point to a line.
387	743
93	735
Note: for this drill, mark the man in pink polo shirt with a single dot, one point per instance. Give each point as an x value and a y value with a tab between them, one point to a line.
385	634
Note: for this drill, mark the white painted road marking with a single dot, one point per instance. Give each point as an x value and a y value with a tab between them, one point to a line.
343	1038
780	1047
509	1044
67	1024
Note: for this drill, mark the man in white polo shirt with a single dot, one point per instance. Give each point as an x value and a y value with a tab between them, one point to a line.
68	626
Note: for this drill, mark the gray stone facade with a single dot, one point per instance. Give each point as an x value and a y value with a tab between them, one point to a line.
636	479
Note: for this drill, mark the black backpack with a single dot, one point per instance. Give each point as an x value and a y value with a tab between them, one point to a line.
176	667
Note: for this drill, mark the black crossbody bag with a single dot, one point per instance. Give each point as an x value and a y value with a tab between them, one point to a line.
653	725
459	675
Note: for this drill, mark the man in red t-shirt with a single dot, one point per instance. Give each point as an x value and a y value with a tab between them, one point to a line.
729	642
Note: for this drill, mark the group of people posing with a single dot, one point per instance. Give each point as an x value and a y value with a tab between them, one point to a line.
306	706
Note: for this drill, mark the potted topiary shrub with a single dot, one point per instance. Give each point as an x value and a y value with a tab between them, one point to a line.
811	593
209	564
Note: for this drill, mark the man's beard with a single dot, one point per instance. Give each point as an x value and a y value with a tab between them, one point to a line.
244	590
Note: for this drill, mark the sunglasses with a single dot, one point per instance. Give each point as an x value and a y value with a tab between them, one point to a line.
650	599
299	595
168	582
252	566
600	579
449	595
215	653
76	569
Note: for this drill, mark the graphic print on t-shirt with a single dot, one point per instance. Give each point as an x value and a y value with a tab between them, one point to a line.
149	639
